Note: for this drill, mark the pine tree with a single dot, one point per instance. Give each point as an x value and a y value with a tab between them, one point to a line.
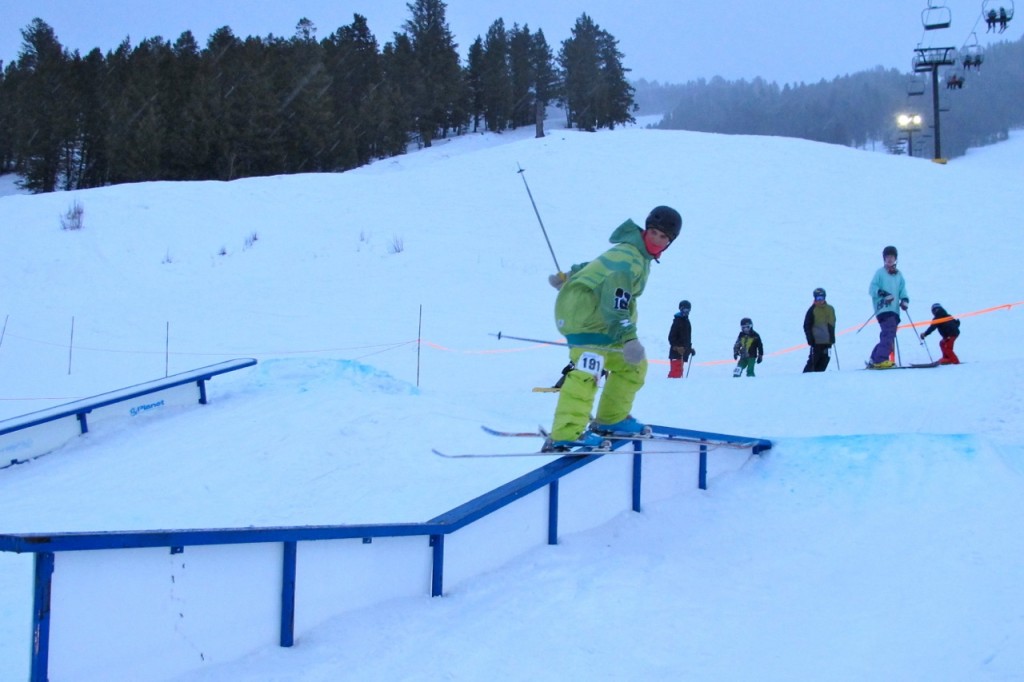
521	76
354	69
546	85
186	115
473	77
305	112
94	124
596	93
392	100
496	78
439	90
44	125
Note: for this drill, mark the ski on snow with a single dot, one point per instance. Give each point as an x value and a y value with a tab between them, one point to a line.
542	433
910	366
610	439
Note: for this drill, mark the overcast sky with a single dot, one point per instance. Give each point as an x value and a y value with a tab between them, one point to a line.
666	40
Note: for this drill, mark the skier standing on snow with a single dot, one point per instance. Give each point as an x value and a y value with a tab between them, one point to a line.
680	348
748	348
888	292
596	312
949	330
820	331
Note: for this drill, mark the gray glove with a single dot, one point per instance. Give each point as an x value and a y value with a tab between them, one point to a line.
633	352
557	280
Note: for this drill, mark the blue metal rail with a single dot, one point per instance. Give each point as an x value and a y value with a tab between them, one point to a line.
80	409
45	546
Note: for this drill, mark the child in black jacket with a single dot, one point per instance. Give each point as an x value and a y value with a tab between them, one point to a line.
949	330
680	347
748	349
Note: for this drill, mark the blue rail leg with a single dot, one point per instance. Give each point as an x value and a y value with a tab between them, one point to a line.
702	476
637	469
288	593
41	617
437	574
553	513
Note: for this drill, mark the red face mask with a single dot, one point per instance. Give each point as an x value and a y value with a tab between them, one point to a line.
654	249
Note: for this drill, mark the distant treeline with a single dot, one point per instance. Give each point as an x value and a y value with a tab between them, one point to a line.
856	110
265	106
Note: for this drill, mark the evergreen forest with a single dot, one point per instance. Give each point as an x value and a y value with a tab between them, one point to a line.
241	107
860	109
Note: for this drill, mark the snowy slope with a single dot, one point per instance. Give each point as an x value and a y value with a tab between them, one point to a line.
878	538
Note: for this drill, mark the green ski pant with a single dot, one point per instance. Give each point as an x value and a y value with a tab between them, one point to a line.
572	415
746	364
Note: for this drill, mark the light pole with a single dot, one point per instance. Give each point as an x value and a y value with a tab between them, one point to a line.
909	123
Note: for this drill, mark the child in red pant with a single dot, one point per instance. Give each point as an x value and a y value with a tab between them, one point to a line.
949	330
680	348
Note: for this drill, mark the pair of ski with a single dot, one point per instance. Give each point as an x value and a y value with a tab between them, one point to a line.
910	366
581	449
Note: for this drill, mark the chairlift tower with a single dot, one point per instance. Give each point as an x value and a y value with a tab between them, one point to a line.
930	59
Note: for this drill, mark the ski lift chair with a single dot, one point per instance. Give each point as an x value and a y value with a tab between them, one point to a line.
971	55
936	16
1000	10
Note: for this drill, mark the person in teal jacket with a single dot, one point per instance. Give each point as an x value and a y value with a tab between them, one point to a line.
596	311
888	291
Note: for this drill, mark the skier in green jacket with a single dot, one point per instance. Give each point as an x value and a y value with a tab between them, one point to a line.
596	312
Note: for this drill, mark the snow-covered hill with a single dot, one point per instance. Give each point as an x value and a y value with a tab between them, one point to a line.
877	539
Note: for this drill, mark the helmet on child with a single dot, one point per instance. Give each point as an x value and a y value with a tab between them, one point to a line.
818	292
745	322
684	306
666	219
890	251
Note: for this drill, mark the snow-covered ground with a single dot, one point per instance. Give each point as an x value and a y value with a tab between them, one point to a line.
879	538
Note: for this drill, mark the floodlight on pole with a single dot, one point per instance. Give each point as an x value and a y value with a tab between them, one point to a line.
909	123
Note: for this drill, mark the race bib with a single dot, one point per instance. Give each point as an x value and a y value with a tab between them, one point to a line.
591	363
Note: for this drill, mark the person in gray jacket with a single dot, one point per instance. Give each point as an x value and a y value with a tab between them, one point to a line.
820	332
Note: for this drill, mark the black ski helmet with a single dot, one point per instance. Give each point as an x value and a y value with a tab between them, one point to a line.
818	292
745	321
665	219
684	306
890	251
936	307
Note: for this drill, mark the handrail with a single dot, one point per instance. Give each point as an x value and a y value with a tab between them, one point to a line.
86	405
31	447
46	545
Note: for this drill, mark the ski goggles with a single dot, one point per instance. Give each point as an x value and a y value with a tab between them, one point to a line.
819	298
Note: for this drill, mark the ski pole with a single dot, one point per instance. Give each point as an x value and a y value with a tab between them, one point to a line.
501	335
520	338
836	349
923	343
521	171
865	323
